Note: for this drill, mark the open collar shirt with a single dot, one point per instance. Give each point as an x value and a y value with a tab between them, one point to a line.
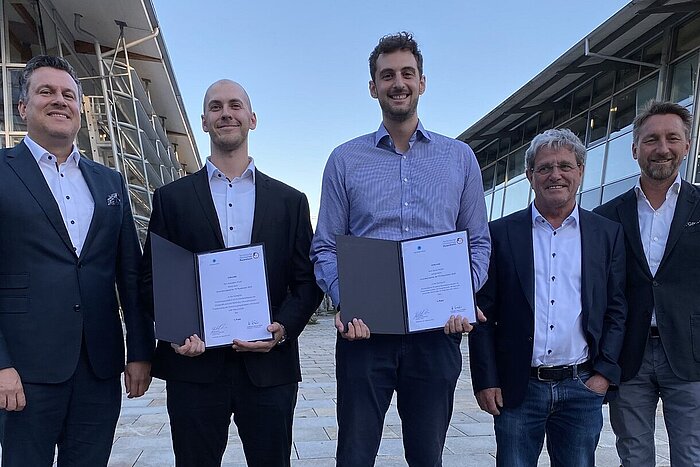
559	337
69	189
654	226
234	201
371	189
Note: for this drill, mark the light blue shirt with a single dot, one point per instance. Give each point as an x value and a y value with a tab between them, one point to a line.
234	201
370	189
69	189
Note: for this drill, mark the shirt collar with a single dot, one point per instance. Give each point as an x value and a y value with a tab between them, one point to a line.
39	153
213	172
674	189
537	218
382	133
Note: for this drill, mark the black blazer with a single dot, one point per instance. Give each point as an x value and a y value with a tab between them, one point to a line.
50	299
184	213
673	290
500	350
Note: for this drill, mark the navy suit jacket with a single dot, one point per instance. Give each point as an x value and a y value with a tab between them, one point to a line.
500	350
673	290
184	213
51	300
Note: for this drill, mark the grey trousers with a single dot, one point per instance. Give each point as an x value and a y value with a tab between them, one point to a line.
633	413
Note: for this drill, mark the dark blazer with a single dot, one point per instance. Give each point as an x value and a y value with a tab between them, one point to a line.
500	350
51	299
673	290
184	213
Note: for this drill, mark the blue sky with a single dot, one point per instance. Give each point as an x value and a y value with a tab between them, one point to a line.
304	64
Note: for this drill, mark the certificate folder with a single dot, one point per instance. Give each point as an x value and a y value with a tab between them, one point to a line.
220	295
401	287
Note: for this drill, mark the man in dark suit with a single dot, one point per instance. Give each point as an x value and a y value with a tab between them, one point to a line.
228	203
554	300
661	352
67	238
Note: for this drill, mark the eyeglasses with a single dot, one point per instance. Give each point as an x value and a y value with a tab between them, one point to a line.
549	168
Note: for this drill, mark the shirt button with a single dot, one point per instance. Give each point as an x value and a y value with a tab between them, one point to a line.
76	308
72	222
62	175
551	326
230	205
67	197
230	228
406	203
403	157
554	255
655	284
552	302
405	179
406	229
553	278
549	352
656	239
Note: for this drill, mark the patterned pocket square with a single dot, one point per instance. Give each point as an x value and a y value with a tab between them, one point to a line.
113	200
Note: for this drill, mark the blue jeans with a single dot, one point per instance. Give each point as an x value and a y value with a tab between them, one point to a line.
566	411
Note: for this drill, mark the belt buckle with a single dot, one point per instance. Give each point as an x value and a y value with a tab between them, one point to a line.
539	377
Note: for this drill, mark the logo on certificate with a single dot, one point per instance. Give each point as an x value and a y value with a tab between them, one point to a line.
460	240
256	255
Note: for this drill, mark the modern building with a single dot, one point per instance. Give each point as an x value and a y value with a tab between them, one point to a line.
133	116
649	49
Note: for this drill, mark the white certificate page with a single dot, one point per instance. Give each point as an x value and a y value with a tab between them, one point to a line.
437	275
235	304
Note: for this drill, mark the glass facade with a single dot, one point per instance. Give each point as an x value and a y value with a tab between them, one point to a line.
120	126
600	109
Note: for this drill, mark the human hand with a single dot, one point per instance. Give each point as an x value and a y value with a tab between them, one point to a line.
278	333
137	378
192	347
459	324
598	384
356	329
490	400
11	391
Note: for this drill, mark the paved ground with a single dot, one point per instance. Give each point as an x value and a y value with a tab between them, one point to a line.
143	434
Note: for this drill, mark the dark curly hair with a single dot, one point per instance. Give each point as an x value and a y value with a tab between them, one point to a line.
391	43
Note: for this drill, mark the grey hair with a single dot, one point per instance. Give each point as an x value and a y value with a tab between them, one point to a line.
555	138
41	61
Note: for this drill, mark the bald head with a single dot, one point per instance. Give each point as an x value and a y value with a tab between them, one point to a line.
227	83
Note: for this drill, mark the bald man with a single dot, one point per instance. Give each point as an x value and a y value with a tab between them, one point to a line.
230	203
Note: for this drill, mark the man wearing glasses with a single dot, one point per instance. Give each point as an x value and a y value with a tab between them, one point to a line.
555	307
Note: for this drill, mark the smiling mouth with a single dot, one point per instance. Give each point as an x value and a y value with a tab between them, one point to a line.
54	114
398	97
555	187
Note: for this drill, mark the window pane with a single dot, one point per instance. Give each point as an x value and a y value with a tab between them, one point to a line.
17	122
683	81
488	198
646	92
23	36
516	163
603	86
500	172
594	167
582	99
516	197
617	188
578	127
590	199
652	52
598	122
620	163
497	205
623	112
688	37
627	75
487	177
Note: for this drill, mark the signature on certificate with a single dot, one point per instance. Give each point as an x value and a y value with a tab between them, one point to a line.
422	315
253	323
219	330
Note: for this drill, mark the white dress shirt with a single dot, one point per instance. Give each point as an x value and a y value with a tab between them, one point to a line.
69	189
234	201
559	337
654	225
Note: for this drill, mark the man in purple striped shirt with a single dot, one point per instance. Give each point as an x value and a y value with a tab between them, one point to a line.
397	183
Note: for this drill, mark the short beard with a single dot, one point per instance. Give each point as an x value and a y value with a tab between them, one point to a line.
661	173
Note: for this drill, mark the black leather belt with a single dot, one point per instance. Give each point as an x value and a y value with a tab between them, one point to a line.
654	332
558	373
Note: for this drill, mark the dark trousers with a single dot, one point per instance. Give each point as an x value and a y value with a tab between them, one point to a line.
79	416
422	368
200	415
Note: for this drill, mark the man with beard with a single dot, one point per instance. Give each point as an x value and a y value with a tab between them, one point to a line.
661	351
229	203
399	182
